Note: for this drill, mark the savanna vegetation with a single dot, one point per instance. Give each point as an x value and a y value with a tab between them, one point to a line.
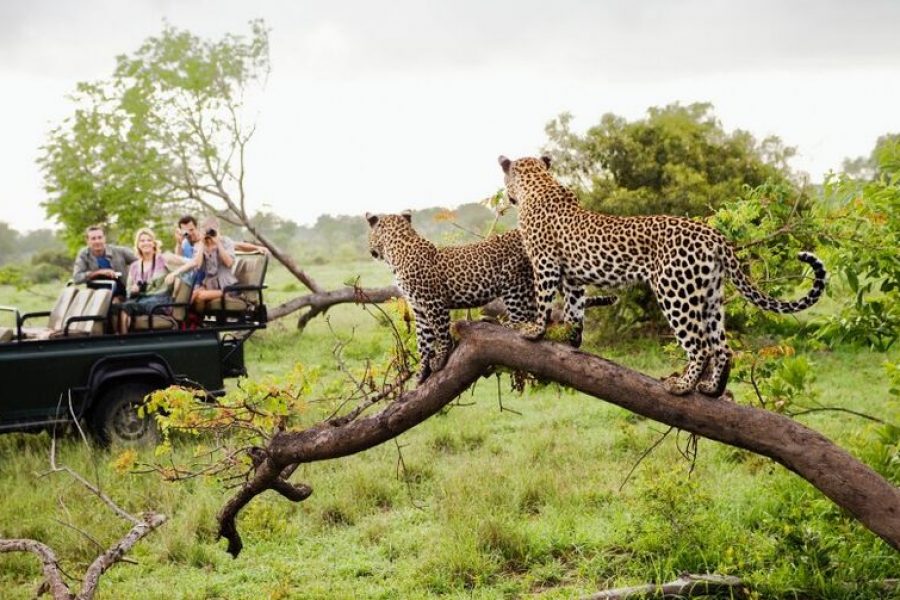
518	487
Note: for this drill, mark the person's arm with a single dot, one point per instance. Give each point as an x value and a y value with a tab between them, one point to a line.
226	252
179	242
81	268
131	282
248	247
130	256
189	265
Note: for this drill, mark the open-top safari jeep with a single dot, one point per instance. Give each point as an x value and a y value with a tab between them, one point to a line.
74	368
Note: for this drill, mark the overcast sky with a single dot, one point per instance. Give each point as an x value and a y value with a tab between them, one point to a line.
380	106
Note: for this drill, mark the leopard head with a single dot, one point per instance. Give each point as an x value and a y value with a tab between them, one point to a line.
384	228
519	174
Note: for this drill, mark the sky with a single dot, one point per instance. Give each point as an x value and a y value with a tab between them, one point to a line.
376	106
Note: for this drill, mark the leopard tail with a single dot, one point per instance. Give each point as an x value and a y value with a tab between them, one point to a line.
751	293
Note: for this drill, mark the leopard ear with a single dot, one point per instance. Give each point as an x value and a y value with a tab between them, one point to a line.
546	160
407	214
372	219
504	162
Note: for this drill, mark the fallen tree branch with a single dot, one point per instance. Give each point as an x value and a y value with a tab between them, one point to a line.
317	303
850	484
686	586
53	574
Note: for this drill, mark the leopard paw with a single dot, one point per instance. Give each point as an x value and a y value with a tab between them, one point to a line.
531	331
676	385
712	388
437	362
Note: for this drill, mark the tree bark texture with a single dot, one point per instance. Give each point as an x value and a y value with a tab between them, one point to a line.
850	484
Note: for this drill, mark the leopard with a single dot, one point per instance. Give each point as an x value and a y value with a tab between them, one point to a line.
683	261
436	280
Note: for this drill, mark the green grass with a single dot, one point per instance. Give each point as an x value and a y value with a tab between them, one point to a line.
492	504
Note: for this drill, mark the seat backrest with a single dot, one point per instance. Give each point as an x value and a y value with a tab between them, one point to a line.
61	307
250	269
181	294
76	307
97	306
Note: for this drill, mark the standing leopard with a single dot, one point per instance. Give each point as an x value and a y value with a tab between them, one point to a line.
436	280
684	262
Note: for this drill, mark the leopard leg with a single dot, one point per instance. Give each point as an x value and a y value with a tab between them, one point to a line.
424	344
546	283
443	344
684	316
573	314
519	299
716	379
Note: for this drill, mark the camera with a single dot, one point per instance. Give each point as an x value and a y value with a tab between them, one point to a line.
142	287
185	234
211	232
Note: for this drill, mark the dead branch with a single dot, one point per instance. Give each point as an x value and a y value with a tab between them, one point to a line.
847	482
53	574
686	586
317	303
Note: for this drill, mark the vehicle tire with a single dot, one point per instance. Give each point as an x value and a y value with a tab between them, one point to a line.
115	419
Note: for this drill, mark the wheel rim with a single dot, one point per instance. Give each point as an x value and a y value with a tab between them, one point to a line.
128	425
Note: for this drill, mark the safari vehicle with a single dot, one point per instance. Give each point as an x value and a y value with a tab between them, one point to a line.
75	369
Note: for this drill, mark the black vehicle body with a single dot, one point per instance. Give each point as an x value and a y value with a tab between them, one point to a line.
54	381
79	371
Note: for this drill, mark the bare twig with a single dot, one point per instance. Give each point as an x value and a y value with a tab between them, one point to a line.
644	455
686	586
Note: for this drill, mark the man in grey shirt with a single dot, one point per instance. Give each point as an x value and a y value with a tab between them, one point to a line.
100	261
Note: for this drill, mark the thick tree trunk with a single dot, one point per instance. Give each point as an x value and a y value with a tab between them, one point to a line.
847	482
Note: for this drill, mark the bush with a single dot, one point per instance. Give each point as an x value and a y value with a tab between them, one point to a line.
45	273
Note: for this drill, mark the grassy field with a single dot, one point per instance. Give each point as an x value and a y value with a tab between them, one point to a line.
492	504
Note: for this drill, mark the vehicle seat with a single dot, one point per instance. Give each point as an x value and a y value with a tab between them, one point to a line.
56	315
97	306
87	302
181	299
80	299
244	299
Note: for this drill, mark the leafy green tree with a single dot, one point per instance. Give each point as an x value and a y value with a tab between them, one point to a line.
883	160
861	223
678	160
163	134
9	240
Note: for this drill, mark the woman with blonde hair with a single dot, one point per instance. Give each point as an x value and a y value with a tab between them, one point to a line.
147	283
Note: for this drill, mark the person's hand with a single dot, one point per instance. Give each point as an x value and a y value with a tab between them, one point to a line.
104	273
170	279
262	249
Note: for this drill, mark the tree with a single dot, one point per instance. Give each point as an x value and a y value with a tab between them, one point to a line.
9	240
168	132
678	160
883	160
850	484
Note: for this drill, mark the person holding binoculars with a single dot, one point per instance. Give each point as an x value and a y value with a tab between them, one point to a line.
211	256
148	284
